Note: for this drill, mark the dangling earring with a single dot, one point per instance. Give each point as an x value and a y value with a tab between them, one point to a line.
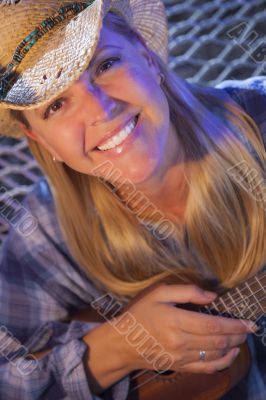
54	159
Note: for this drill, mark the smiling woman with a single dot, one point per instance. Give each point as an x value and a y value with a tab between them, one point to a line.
169	146
165	151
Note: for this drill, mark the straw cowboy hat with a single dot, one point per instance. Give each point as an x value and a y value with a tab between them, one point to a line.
47	44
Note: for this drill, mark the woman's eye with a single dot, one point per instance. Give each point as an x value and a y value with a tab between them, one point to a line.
106	65
55	106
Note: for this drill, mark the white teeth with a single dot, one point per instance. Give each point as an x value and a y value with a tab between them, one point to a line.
120	136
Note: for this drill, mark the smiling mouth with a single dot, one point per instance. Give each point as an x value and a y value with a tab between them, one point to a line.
119	137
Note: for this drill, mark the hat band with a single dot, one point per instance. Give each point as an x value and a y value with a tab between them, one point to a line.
63	13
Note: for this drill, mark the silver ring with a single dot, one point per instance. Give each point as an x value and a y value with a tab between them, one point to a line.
202	355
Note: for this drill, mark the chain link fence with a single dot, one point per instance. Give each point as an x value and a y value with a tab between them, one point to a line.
209	41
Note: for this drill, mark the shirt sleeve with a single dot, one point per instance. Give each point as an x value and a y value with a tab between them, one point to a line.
250	94
39	286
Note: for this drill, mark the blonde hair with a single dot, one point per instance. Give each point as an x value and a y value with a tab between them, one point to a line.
224	231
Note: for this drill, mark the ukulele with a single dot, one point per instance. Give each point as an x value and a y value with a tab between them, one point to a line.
246	301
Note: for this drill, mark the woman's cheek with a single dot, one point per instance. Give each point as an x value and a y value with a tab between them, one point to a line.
133	83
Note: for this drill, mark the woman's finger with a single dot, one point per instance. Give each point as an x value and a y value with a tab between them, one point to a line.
202	324
195	322
214	342
197	355
209	367
182	294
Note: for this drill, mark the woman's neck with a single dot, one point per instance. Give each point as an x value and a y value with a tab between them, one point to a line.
167	189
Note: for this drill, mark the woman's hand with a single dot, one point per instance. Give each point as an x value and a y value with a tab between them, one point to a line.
180	333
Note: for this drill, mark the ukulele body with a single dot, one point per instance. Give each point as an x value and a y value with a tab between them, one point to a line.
182	386
186	386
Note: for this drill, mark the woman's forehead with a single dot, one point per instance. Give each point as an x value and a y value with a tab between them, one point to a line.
110	37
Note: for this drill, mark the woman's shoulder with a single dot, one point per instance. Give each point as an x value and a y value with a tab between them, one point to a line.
40	257
33	218
257	83
40	193
250	94
40	203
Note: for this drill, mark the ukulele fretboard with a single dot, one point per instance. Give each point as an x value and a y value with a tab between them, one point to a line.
246	301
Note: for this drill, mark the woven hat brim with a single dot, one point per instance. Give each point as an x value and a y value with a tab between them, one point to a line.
147	17
57	59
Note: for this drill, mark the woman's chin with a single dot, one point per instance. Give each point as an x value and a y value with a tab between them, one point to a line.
138	173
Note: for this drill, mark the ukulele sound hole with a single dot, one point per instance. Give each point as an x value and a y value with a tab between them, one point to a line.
166	373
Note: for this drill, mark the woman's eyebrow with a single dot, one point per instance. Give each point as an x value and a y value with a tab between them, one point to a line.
101	48
38	111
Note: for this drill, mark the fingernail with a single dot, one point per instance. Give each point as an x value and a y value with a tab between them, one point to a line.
255	328
236	351
210	295
252	327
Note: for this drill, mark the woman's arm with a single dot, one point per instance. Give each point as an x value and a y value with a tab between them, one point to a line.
40	286
250	94
104	362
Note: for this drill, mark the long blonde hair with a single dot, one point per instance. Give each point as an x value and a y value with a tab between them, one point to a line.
224	231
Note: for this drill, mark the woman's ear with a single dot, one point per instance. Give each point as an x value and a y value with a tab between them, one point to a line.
40	140
28	132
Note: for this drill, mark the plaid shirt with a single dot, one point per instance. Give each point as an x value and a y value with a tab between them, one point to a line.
40	284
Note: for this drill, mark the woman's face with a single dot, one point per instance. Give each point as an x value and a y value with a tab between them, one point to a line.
120	83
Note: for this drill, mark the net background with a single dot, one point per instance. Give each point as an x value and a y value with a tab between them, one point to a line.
202	50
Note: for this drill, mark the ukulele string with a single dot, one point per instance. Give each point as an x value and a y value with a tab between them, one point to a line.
248	285
234	309
140	373
242	296
147	380
231	308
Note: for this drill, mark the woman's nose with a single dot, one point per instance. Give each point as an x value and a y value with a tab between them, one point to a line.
101	107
